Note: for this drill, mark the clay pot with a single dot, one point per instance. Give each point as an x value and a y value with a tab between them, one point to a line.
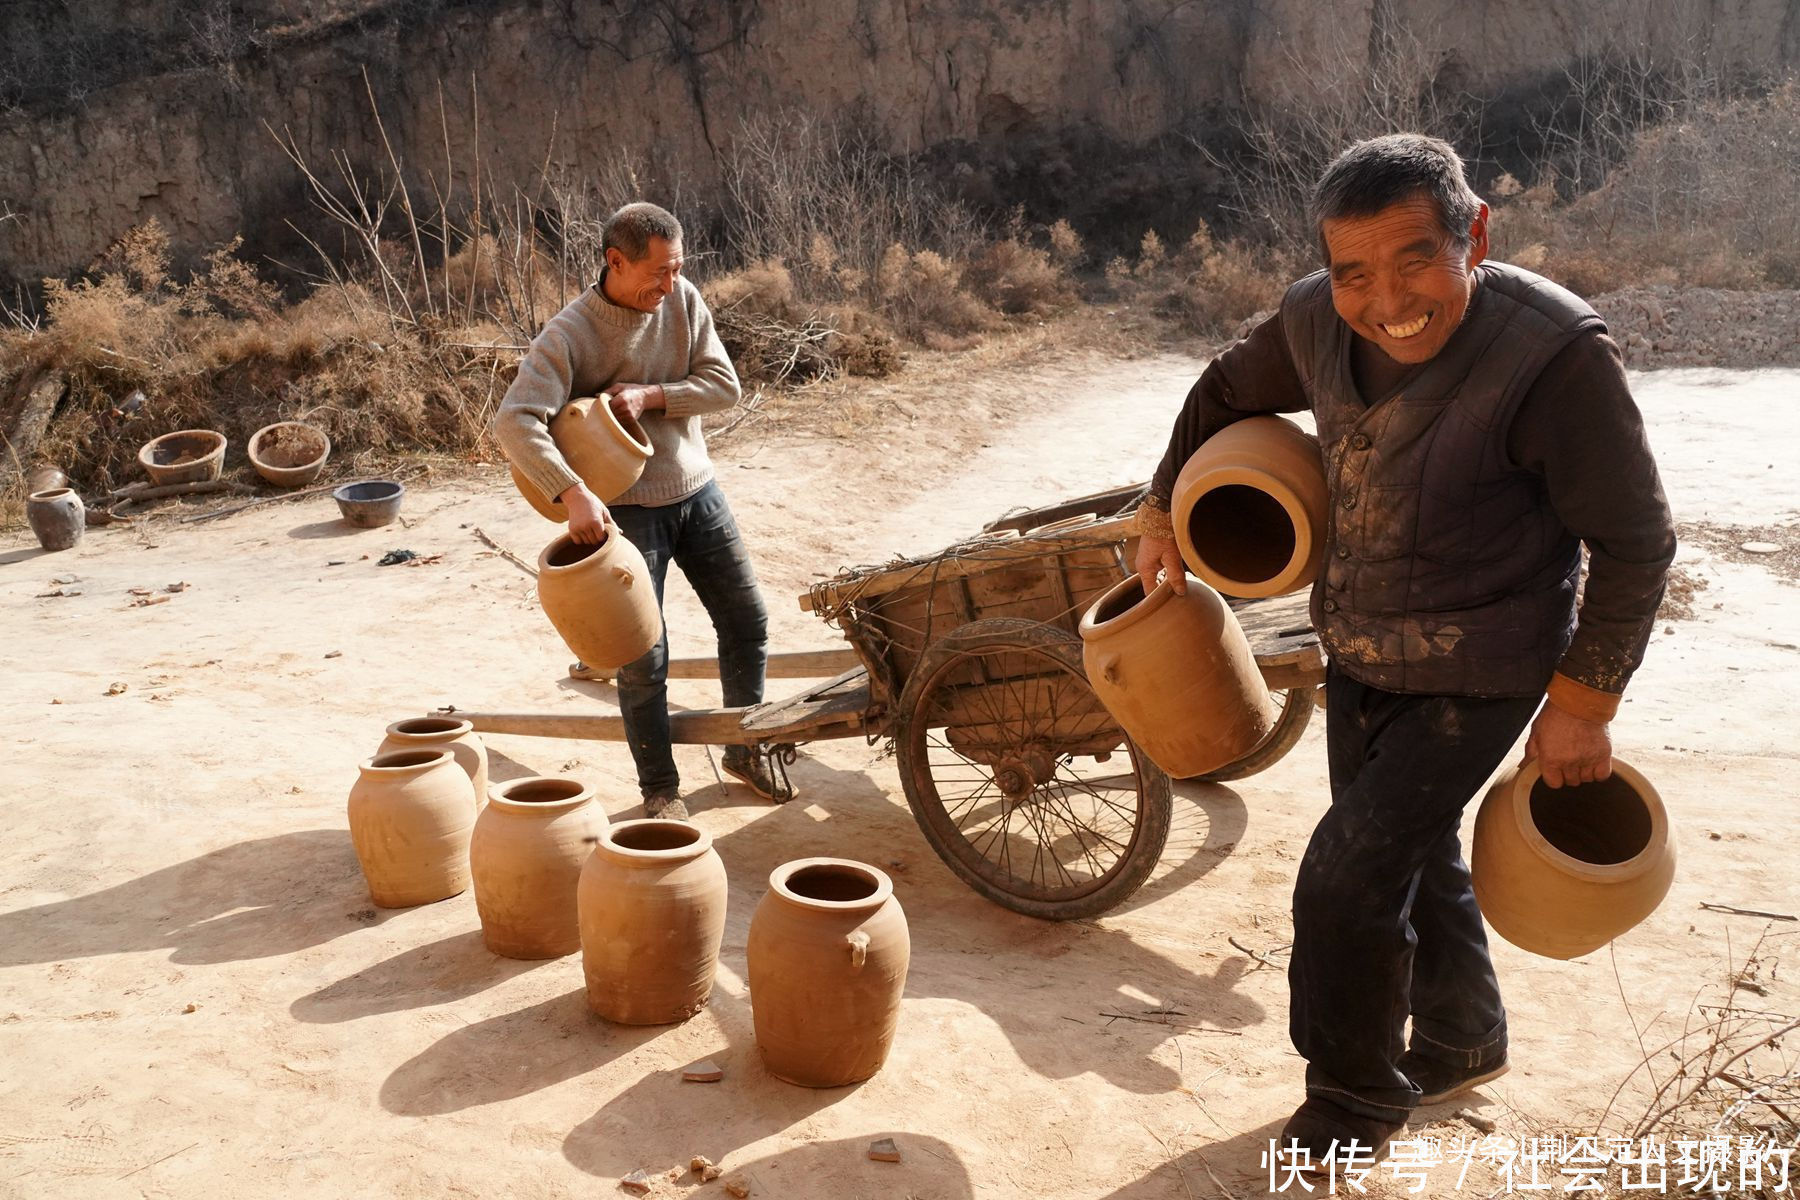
1249	508
45	478
289	453
600	598
410	821
443	733
827	955
185	456
57	516
1177	673
525	860
652	908
1563	871
371	503
608	454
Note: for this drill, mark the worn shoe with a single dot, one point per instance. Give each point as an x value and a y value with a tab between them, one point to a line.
665	806
1327	1133
750	767
1440	1081
580	670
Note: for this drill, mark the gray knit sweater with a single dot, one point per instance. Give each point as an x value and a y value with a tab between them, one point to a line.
593	343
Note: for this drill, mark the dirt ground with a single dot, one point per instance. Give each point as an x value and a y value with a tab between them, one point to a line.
196	997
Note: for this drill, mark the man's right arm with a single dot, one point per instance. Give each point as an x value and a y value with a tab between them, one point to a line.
522	427
1250	378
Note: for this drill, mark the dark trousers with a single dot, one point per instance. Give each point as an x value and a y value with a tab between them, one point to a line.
700	536
1385	921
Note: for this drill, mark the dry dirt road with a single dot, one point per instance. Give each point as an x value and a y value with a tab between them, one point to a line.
197	999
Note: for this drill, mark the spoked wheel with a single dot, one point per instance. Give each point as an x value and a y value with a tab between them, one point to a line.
1020	779
1295	710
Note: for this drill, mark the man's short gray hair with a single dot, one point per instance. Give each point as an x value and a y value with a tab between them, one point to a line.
630	229
1381	171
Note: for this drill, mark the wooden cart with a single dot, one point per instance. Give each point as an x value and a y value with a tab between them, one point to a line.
970	662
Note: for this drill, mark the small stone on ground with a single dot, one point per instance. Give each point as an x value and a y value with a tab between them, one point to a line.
639	1181
884	1150
737	1187
704	1071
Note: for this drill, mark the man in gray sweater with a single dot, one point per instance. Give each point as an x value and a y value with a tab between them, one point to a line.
643	336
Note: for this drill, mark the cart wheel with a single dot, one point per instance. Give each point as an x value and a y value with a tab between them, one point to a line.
1020	779
1296	710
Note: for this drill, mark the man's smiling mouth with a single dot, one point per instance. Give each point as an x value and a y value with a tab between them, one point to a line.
1412	328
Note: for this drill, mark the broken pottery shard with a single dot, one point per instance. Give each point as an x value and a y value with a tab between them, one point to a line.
884	1150
737	1187
704	1071
639	1181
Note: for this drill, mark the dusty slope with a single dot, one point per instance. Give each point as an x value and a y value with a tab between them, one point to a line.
181	847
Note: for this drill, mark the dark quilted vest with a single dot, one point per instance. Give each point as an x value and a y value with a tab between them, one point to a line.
1446	571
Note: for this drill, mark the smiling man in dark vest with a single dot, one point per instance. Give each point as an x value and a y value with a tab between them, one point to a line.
1477	431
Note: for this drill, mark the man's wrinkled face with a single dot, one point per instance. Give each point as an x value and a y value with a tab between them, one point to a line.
643	284
1399	280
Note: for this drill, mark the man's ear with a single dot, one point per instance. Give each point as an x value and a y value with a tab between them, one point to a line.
1478	238
615	258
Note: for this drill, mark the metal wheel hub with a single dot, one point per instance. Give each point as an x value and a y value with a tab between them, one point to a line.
1019	774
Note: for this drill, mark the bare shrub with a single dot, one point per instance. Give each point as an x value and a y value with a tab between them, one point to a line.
1018	279
924	293
1287	139
1231	283
773	337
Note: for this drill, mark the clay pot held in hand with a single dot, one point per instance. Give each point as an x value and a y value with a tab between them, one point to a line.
410	820
606	452
1177	673
57	517
828	952
525	860
1249	508
652	908
448	733
1563	871
600	598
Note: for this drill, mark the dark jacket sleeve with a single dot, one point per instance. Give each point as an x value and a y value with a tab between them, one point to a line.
1255	375
1580	430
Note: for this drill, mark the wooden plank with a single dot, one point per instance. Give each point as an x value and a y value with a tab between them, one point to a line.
970	558
842	702
697	727
796	664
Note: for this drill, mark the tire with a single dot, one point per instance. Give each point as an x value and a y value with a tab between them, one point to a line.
1089	833
1296	713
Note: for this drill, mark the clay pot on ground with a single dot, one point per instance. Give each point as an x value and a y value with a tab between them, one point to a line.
525	861
828	952
444	733
289	453
185	456
600	598
371	503
410	821
1177	673
652	910
1563	871
1249	509
57	517
607	453
45	478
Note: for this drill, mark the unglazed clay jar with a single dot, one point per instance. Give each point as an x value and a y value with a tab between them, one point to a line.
1249	508
827	954
449	733
410	819
525	860
1177	673
1563	871
607	453
57	516
652	906
600	598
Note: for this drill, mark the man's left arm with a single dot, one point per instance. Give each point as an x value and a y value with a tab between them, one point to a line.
711	384
1581	431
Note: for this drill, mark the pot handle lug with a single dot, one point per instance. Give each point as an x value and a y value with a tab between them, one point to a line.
624	575
1109	668
859	949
